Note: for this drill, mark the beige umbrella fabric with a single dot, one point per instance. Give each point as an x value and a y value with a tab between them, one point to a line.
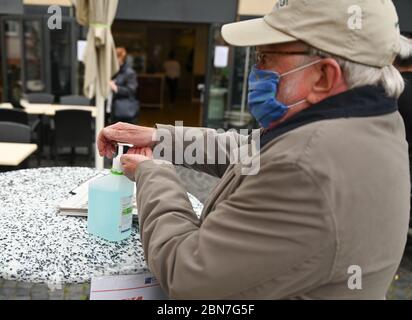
100	56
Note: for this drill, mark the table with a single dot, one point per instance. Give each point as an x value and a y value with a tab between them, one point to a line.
42	110
13	154
6	106
50	109
38	245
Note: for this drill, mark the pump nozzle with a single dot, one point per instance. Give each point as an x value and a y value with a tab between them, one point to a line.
117	166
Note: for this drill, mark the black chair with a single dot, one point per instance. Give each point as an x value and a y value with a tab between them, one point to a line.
11	132
44	98
12	115
14	132
45	130
73	128
75	101
19	116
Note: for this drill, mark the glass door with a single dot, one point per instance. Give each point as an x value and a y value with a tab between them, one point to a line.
63	60
12	59
34	56
227	84
217	83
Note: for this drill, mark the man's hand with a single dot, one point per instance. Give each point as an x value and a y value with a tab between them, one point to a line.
113	86
140	137
134	157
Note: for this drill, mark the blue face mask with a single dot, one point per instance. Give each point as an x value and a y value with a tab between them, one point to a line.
263	90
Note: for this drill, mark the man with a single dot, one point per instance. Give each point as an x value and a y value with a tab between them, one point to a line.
124	106
326	216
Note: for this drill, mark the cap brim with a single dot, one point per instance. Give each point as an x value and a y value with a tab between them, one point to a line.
255	32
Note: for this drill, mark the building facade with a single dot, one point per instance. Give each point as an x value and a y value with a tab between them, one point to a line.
213	81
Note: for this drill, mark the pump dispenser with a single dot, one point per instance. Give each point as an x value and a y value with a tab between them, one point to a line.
110	203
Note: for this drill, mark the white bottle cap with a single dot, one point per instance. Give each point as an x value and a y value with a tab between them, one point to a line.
117	165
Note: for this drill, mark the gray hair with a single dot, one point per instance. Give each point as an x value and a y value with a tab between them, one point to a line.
404	58
358	75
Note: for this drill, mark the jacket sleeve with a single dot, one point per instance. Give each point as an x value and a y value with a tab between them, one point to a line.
271	238
201	149
129	87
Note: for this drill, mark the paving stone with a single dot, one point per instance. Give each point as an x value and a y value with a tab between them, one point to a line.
9	284
8	293
22	292
40	296
22	298
24	285
56	295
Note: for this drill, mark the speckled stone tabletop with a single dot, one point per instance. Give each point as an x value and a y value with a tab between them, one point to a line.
38	245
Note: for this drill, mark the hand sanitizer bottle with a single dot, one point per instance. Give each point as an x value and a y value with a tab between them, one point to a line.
110	204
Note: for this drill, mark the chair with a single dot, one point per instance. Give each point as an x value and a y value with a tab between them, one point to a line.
73	128
16	116
44	98
19	116
14	132
75	101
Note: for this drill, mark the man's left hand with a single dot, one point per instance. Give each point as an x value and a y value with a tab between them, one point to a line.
132	160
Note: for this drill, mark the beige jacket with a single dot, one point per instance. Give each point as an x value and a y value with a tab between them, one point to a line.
329	195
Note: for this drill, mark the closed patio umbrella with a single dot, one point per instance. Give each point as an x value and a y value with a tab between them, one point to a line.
100	57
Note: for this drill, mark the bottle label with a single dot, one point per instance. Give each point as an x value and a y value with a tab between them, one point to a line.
126	214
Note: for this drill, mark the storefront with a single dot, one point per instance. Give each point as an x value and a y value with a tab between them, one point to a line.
404	8
34	57
151	30
37	59
233	81
213	83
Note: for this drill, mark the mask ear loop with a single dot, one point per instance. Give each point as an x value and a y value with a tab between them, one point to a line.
296	104
300	68
296	70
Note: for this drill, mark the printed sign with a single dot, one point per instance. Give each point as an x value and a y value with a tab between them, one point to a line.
221	56
129	287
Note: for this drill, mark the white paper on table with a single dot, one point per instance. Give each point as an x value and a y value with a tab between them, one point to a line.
127	287
221	56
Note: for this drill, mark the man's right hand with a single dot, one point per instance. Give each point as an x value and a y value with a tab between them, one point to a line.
140	137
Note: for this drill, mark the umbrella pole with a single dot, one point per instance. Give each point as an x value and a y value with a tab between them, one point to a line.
99	161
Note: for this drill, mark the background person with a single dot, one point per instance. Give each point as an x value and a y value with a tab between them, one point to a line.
172	69
124	105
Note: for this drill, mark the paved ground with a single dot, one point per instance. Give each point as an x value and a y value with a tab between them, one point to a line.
199	185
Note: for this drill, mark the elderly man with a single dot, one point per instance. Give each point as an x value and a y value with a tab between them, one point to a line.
326	216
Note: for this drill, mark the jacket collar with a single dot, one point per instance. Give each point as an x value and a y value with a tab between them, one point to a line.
367	101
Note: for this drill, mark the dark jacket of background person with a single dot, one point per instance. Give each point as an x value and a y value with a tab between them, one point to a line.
125	106
405	109
404	65
405	106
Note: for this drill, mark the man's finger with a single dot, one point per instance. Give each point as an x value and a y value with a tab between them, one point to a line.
126	158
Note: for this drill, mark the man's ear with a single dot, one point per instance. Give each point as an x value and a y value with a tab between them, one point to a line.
328	81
